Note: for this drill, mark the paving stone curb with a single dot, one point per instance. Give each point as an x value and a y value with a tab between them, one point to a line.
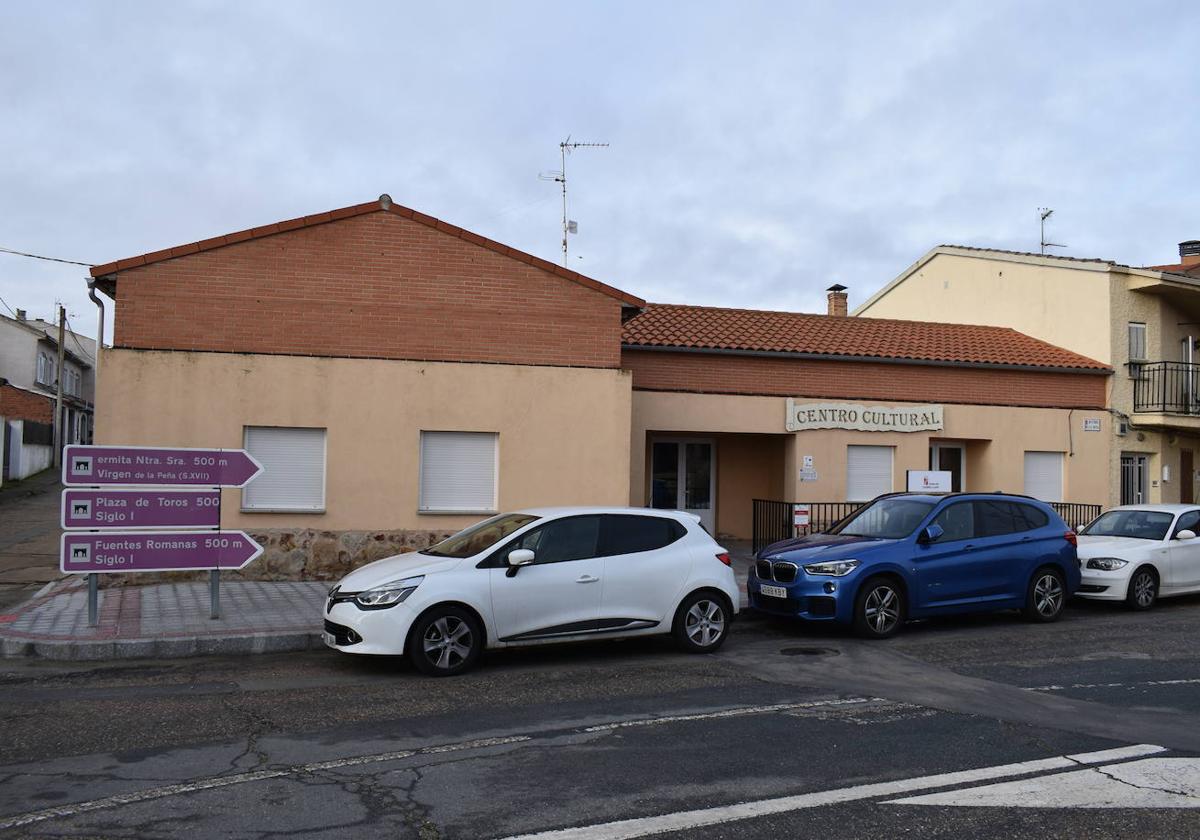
72	650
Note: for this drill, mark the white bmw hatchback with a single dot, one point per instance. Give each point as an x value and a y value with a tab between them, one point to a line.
1139	553
539	576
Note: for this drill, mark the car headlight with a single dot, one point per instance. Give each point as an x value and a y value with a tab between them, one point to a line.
389	594
837	568
1106	564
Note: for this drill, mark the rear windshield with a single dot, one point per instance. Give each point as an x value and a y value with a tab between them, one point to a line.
886	519
480	536
1139	524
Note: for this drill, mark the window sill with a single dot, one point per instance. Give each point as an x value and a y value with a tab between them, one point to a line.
283	510
456	512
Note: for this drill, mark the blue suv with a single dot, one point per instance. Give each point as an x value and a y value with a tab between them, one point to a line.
908	555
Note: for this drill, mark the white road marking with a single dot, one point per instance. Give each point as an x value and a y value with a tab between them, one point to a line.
241	779
685	820
337	763
1112	685
1149	783
728	713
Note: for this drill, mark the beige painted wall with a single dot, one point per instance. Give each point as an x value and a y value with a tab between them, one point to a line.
1065	306
996	439
564	432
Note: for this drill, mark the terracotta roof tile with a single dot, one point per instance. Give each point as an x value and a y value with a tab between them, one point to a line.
751	330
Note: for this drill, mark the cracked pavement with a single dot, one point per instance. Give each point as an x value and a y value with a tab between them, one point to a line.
319	744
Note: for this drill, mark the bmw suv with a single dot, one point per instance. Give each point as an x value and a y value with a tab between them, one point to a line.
908	555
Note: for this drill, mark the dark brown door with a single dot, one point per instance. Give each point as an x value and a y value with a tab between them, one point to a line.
1186	476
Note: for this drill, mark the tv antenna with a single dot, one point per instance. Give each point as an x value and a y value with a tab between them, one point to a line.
1046	213
564	148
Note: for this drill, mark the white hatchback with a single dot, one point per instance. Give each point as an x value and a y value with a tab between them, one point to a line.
539	576
1138	553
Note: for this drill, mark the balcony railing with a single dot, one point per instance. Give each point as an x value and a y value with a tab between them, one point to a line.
1166	387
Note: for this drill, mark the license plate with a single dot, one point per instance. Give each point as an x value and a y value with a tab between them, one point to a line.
328	639
773	591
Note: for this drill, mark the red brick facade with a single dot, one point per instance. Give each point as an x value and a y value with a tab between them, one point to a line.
373	285
19	404
715	373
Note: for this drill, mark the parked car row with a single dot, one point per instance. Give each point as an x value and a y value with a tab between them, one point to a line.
909	556
568	574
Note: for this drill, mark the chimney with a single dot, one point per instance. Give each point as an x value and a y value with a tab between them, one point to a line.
838	298
1189	252
21	312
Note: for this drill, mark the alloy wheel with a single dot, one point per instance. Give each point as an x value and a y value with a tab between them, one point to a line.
882	609
1048	595
447	642
705	622
1143	589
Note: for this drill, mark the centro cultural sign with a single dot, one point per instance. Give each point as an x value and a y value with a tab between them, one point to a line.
802	416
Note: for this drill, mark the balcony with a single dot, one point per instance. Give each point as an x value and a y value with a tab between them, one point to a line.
1166	388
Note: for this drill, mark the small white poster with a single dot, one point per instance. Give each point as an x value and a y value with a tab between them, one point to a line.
930	481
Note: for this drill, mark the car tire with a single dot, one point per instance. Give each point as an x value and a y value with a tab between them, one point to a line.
445	641
1045	597
701	623
1142	593
879	608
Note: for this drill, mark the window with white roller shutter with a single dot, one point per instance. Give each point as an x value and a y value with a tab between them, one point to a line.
458	472
293	477
1044	476
868	472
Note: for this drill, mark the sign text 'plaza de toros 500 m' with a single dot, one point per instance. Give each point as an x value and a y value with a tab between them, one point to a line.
802	416
111	529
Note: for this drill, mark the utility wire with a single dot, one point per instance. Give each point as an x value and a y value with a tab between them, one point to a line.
40	257
9	308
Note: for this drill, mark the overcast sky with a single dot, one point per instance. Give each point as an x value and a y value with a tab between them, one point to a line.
759	151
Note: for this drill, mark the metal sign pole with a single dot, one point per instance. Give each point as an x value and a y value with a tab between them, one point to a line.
214	577
93	598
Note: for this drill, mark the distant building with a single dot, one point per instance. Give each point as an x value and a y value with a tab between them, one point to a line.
29	361
1143	322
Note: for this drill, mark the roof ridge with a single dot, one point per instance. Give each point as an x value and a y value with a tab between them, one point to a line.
1031	254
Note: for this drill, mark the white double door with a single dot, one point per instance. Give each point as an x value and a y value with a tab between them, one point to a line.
683	477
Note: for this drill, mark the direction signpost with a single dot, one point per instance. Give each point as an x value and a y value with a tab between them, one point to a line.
119	497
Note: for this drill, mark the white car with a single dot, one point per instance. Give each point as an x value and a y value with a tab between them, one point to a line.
1139	553
538	576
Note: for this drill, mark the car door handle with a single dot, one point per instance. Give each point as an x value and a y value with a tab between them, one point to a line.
968	548
586	579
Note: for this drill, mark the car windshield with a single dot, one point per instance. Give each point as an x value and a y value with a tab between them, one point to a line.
1139	524
480	536
885	519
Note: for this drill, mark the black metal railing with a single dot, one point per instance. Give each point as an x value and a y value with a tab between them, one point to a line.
1167	387
1076	515
774	520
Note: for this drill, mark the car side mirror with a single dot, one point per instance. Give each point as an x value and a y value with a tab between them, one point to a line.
931	533
1185	534
517	558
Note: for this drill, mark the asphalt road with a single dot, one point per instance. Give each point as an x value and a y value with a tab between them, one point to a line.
985	727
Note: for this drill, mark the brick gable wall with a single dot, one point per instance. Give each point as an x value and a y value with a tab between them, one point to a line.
714	373
372	286
18	404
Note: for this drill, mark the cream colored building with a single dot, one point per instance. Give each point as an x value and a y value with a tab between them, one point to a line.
1144	322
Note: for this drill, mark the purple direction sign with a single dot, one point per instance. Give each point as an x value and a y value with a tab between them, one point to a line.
92	509
157	551
158	466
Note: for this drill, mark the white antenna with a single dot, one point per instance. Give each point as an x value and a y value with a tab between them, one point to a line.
1046	213
566	146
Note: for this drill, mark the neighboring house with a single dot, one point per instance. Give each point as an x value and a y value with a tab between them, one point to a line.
29	360
1144	322
400	377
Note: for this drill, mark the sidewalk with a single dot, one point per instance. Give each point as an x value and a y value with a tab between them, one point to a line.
169	620
165	620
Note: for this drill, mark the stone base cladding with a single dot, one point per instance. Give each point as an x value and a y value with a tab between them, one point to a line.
716	373
305	554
